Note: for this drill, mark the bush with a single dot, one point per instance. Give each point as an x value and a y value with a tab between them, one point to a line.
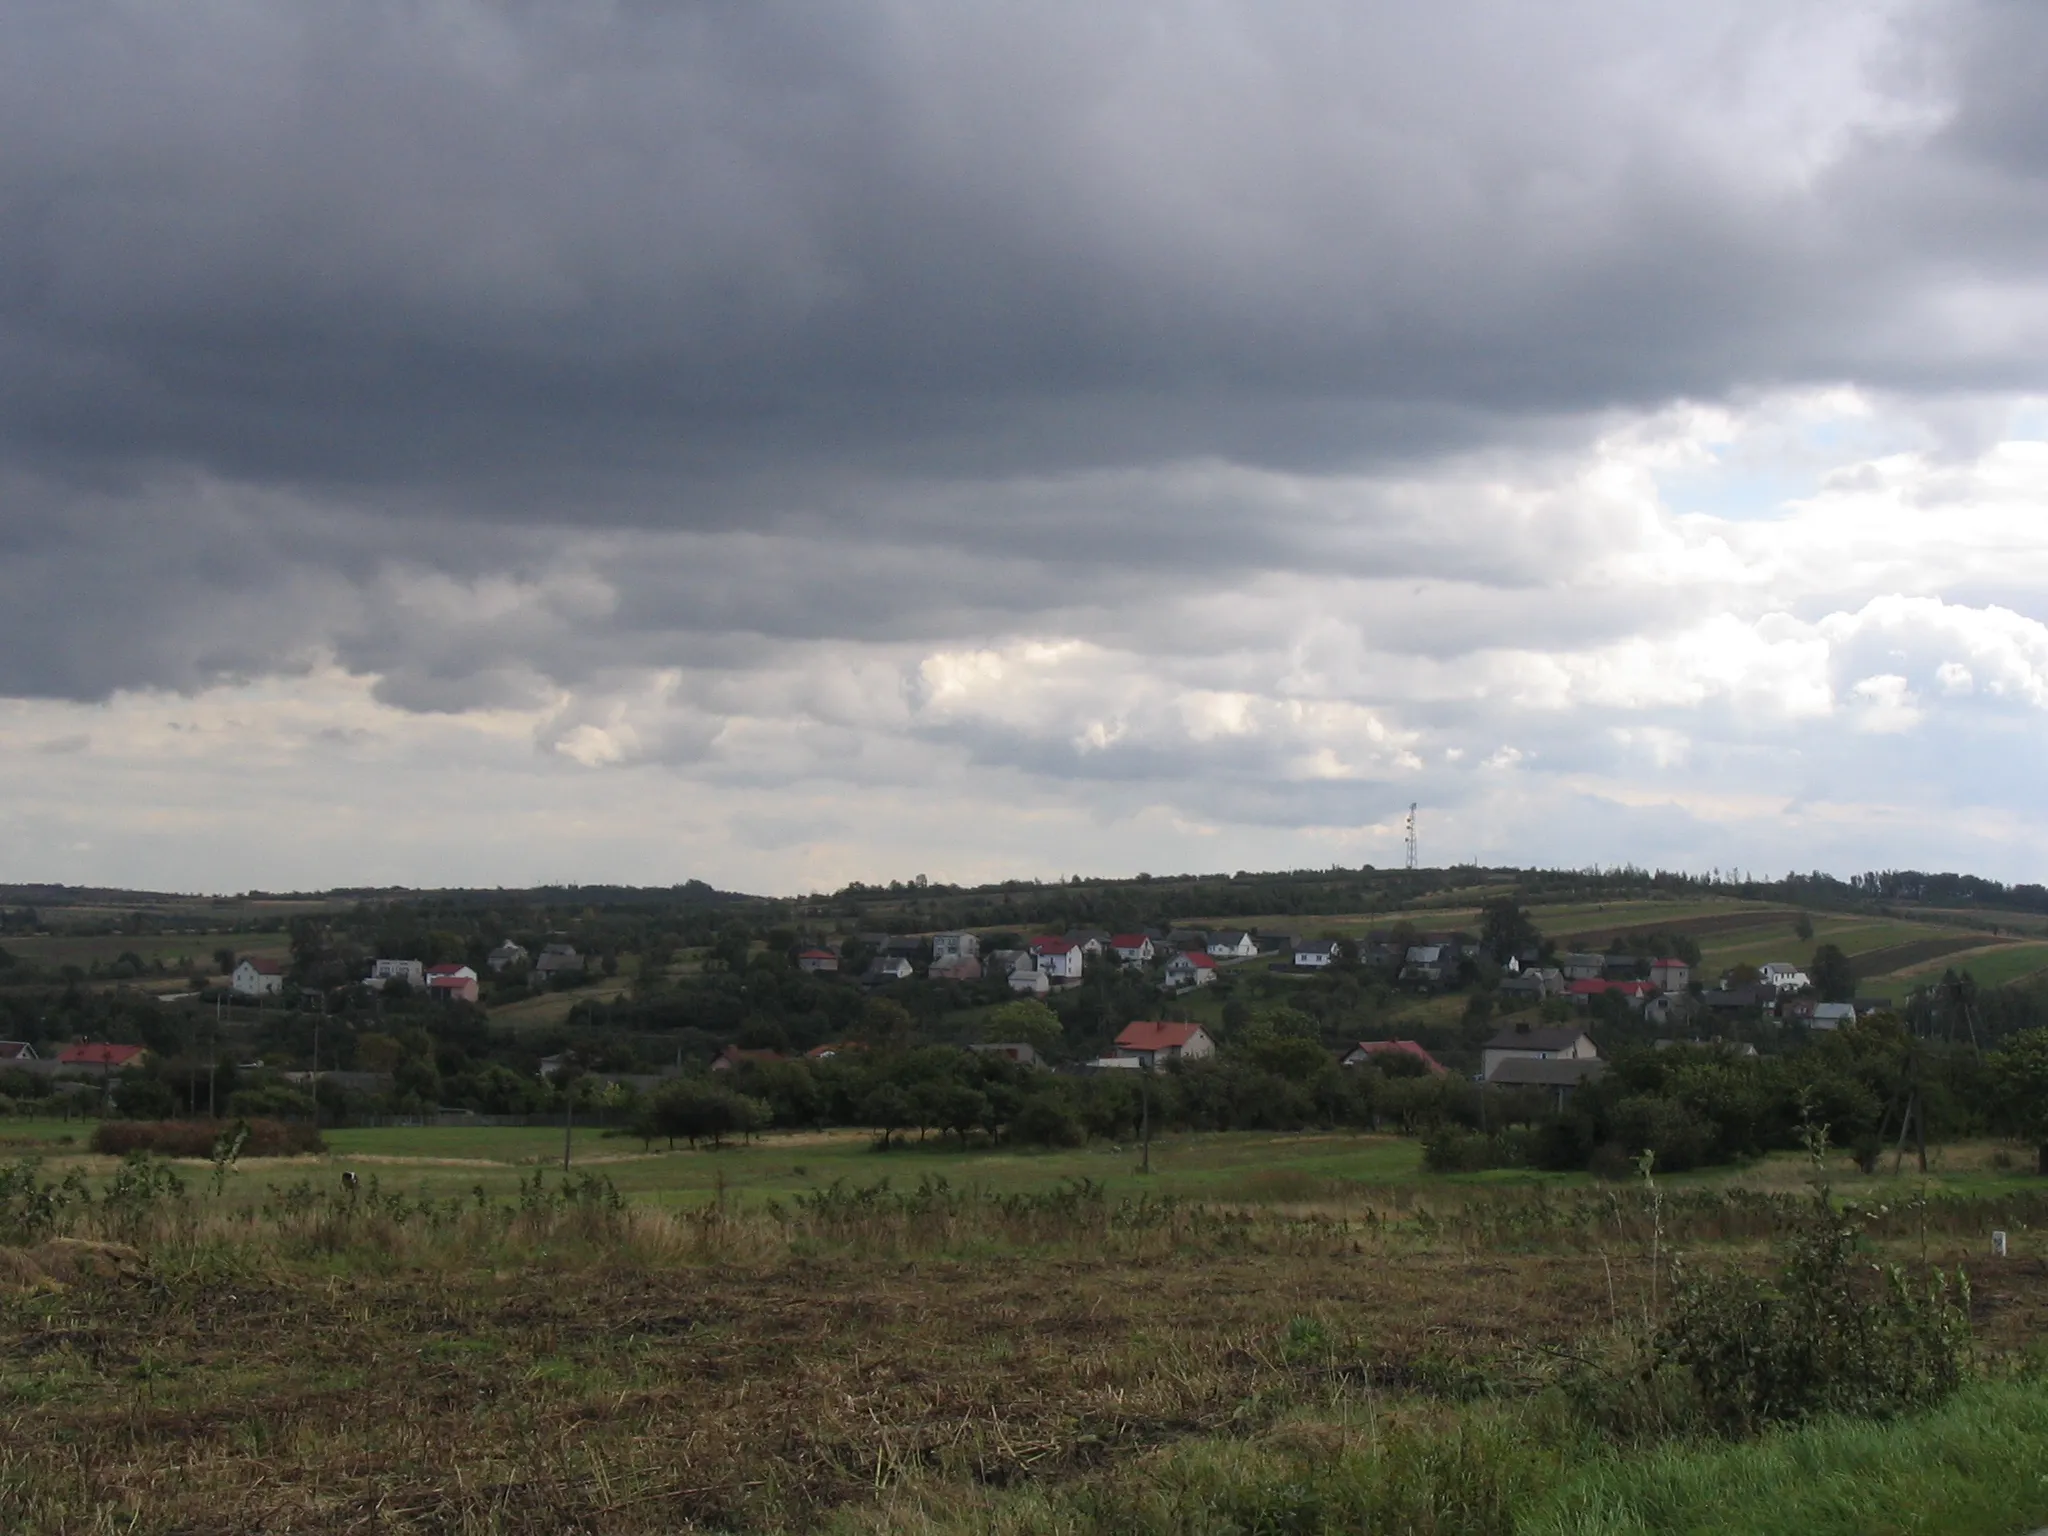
1826	1336
1046	1122
1451	1150
196	1138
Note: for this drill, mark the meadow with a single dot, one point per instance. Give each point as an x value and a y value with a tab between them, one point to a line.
1266	1334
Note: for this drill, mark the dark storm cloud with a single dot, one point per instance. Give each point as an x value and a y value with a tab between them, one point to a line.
295	297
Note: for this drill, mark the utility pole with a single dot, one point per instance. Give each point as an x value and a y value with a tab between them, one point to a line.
1145	1112
1411	835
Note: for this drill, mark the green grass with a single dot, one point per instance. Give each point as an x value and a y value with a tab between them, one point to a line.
1977	1465
1991	967
66	949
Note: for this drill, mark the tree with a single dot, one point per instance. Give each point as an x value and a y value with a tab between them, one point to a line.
2019	1073
888	1110
1027	1020
1506	929
225	960
1804	927
1834	978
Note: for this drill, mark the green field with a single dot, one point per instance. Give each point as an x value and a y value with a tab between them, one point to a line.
69	949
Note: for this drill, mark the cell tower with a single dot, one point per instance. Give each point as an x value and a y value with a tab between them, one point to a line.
1411	835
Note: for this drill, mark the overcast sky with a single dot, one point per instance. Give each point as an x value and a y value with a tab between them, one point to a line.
778	444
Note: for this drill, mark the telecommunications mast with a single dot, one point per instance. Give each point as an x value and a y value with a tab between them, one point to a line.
1411	835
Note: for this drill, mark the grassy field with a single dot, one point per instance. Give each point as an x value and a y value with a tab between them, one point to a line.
553	1008
66	949
1312	1335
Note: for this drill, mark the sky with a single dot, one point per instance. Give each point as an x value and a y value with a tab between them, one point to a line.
460	443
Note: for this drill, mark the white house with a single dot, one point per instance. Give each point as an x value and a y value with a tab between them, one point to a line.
1060	959
814	961
412	972
257	978
1832	1015
1132	948
1315	952
1153	1043
1190	970
452	983
951	948
1782	975
1552	1044
1233	946
1426	962
886	968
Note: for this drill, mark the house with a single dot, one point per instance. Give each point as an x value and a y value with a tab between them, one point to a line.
382	972
108	1058
1114	1064
16	1050
258	978
830	1049
1548	1044
1188	938
1152	1043
1427	962
1670	975
1003	961
1025	976
1062	960
1314	954
1560	1076
1534	984
1190	969
452	983
817	961
1233	945
1132	948
1737	999
1832	1015
968	969
506	957
1782	975
1582	967
1366	1050
556	960
884	969
1093	941
1019	1051
952	948
1583	992
732	1056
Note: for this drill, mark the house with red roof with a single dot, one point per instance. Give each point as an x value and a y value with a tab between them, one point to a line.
108	1058
451	983
1372	1050
1191	968
1153	1042
1062	960
732	1056
816	961
1132	948
1583	992
1670	975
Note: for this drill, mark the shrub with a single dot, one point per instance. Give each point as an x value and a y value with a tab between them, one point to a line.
1046	1122
1451	1150
196	1138
1826	1336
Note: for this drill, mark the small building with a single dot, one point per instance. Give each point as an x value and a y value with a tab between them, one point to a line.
1153	1042
1019	1051
1560	1076
1132	948
1783	975
817	961
732	1056
452	983
1027	977
1832	1015
1583	992
557	960
12	1051
1428	962
1371	1050
103	1056
1670	975
886	969
1561	1043
1093	941
1190	969
383	972
1533	984
1314	954
951	948
1234	944
257	978
1582	967
506	957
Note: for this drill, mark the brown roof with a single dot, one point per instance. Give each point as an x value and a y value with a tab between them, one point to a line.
99	1055
1155	1035
1556	1039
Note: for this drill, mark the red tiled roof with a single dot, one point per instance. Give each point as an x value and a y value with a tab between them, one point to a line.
1198	960
1053	947
1156	1035
1596	988
1127	941
1402	1048
816	954
446	970
263	967
98	1055
451	983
